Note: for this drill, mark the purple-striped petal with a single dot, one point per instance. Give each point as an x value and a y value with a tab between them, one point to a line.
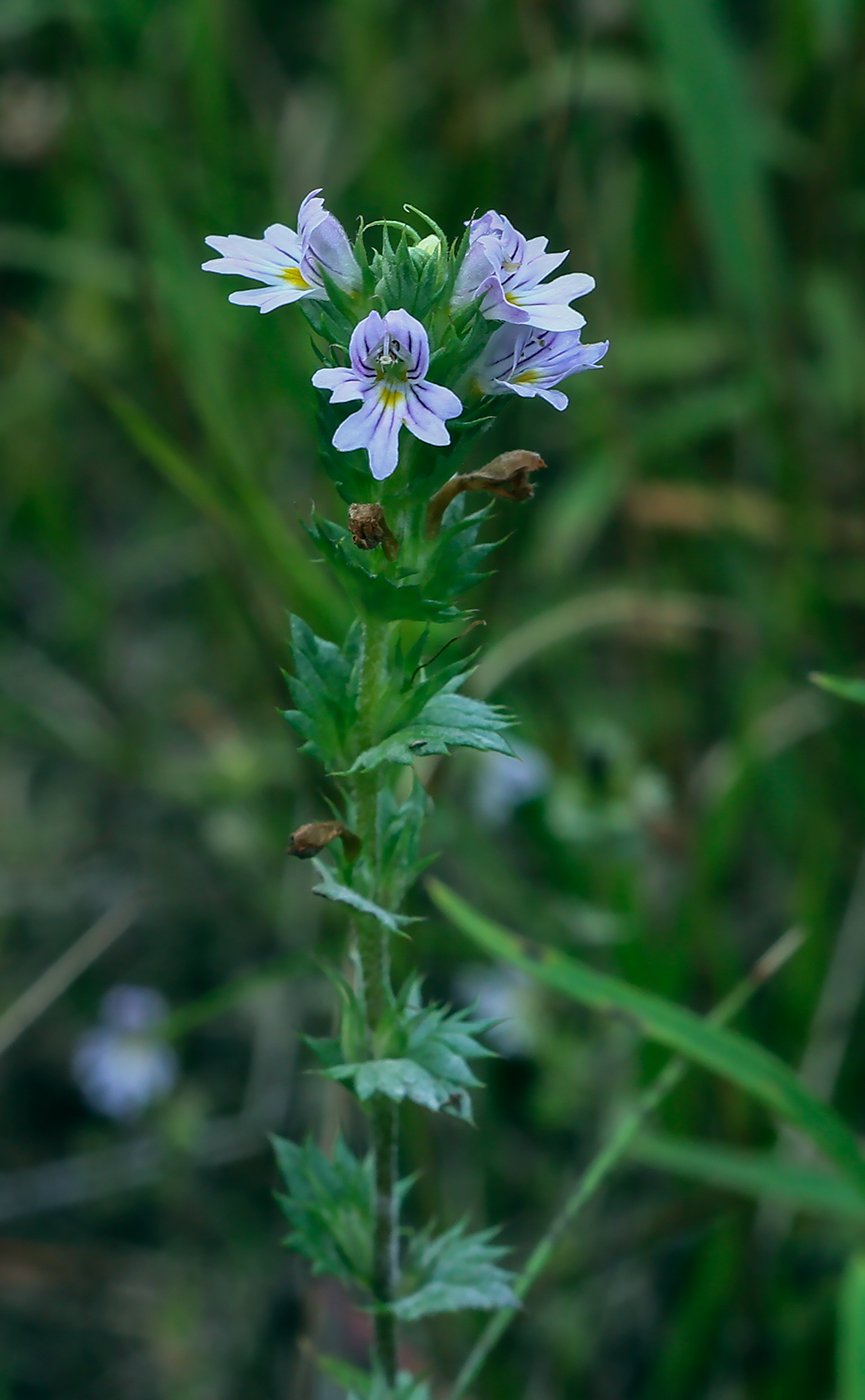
343	384
412	339
268	298
375	427
422	420
285	240
366	338
438	400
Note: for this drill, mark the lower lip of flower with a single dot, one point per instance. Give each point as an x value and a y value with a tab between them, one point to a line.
295	278
528	376
389	397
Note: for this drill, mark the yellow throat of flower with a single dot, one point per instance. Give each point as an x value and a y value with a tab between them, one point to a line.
295	278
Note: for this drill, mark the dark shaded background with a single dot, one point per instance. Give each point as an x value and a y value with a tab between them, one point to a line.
699	533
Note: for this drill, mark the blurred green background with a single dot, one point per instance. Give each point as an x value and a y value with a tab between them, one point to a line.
694	551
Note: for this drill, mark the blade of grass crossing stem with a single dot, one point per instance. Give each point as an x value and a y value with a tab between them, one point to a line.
719	130
612	1153
726	1053
851	1331
759	1174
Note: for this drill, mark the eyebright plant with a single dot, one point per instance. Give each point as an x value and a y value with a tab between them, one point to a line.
421	343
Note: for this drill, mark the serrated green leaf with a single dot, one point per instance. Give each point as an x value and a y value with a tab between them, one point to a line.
455	563
324	689
396	1079
330	1208
400	830
365	1385
379	595
330	888
723	1051
752	1174
848	688
426	1049
375	1387
446	722
454	1271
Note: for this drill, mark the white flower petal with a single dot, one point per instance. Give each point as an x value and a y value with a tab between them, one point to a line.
343	383
267	298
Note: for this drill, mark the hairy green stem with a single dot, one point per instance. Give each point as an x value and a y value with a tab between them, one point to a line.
374	954
611	1154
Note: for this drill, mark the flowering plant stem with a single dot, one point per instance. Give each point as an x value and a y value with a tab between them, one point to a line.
408	334
590	1181
374	957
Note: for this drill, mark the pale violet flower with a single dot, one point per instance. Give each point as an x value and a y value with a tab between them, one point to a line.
503	995
389	359
123	1065
507	271
505	782
525	361
290	264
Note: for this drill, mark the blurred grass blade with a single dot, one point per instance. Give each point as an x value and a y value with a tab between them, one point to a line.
851	1332
305	588
649	613
231	995
573	515
719	130
759	1174
848	688
724	1052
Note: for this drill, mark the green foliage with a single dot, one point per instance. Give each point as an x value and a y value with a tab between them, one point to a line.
848	688
453	1271
851	1331
331	888
329	1207
447	721
421	1054
397	600
362	1385
324	688
156	441
722	1051
758	1174
400	832
454	566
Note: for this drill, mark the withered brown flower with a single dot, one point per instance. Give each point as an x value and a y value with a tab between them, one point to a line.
506	475
369	529
312	838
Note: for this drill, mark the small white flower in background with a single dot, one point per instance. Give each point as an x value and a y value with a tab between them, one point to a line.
124	1065
500	994
504	783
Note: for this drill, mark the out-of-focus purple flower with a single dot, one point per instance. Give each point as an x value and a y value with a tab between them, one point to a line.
290	264
525	361
504	995
123	1066
507	271
505	783
389	359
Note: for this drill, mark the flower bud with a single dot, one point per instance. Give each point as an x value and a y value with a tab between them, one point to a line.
312	838
506	475
369	529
